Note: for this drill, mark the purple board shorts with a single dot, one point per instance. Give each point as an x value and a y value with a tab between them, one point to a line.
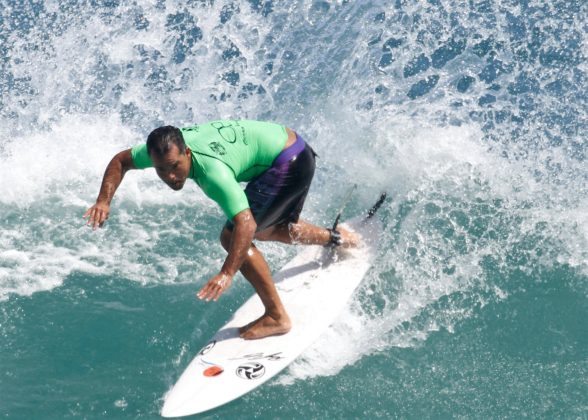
277	195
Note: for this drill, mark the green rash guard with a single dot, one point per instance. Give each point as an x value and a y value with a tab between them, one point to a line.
225	153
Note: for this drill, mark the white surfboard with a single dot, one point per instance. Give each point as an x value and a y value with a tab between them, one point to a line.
314	287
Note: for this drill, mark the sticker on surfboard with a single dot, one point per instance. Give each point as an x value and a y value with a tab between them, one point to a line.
213	371
251	370
207	348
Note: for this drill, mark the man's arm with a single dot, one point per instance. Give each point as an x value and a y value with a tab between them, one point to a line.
115	171
241	239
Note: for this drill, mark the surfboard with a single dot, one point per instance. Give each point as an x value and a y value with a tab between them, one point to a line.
314	286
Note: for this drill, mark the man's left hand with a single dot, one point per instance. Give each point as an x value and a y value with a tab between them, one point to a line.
215	287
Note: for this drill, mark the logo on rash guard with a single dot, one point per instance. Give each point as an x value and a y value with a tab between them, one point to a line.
217	148
227	132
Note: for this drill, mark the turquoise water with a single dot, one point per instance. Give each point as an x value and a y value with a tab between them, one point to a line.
471	114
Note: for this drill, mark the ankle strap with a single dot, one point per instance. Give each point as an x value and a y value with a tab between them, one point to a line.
335	239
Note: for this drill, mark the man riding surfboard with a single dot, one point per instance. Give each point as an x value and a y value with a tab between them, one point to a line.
278	166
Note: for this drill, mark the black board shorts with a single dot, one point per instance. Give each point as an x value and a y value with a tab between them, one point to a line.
277	195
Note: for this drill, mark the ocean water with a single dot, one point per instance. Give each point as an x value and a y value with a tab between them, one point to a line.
472	115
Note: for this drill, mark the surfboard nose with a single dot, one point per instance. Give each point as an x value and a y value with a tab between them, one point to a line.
171	406
177	401
186	397
175	407
166	411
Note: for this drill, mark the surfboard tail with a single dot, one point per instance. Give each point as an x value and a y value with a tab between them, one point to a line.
335	239
373	210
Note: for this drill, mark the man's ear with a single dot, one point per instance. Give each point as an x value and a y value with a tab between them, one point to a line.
188	151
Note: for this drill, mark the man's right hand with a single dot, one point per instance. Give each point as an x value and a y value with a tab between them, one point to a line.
97	214
115	171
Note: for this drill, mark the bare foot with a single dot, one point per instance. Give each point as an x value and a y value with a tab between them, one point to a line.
350	239
265	326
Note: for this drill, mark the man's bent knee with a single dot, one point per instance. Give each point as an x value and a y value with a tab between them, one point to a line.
279	233
266	234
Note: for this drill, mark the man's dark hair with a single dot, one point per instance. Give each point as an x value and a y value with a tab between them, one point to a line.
160	141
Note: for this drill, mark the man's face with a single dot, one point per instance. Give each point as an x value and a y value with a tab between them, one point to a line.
174	167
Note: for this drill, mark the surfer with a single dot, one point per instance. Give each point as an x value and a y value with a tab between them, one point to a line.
278	165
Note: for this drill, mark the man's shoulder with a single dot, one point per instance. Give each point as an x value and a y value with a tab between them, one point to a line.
140	156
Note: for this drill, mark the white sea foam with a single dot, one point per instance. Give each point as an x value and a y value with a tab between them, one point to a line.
445	175
48	187
471	185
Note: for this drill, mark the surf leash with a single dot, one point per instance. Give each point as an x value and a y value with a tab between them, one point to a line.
335	239
345	202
